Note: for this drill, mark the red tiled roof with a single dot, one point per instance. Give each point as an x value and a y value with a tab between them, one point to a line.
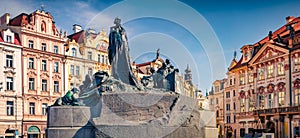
19	20
77	36
17	39
143	64
281	31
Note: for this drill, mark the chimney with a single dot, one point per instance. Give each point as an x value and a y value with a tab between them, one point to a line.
5	19
76	28
289	18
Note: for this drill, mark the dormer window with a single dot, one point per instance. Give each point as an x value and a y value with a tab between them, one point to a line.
8	39
246	55
74	52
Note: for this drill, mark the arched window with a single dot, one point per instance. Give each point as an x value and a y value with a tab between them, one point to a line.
74	52
43	26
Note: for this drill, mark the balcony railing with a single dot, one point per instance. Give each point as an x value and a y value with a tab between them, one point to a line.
246	113
286	110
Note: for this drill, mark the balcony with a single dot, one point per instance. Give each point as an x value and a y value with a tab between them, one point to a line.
246	114
279	110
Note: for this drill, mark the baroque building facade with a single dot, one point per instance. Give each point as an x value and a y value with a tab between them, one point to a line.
216	104
42	68
11	103
86	53
262	87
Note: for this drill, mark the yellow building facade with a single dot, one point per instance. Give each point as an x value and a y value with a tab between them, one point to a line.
86	53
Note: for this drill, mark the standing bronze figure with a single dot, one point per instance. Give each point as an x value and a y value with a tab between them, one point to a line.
118	53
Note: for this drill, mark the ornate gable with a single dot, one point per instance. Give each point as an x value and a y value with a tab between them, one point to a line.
267	52
232	64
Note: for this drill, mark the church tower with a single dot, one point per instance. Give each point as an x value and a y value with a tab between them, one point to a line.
188	75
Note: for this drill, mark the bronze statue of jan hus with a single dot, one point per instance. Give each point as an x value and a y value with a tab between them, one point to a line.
118	53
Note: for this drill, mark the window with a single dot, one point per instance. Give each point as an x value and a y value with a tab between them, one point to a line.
9	108
74	52
281	97
77	70
297	97
31	108
9	61
228	94
8	39
72	69
242	105
233	105
233	93
211	101
106	60
280	68
90	71
297	63
217	89
271	100
261	102
9	83
30	44
261	74
44	85
250	105
227	107
56	86
270	71
217	101
228	119
44	108
31	83
90	55
44	46
99	58
103	59
55	49
250	77
242	79
31	63
44	65
56	66
234	119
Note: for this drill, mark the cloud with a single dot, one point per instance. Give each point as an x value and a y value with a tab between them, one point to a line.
14	7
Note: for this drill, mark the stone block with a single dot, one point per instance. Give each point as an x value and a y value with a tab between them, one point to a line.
61	116
207	118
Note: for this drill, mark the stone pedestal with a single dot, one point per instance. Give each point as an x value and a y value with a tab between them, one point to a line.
125	115
68	122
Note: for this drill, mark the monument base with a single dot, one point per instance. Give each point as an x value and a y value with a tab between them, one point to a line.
171	116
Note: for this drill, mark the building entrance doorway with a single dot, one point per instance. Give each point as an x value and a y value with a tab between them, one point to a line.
34	132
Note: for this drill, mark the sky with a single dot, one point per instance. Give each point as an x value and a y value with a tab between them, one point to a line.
201	34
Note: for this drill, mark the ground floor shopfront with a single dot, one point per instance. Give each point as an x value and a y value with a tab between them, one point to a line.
10	129
34	129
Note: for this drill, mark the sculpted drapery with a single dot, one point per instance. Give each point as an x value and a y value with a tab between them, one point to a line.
118	53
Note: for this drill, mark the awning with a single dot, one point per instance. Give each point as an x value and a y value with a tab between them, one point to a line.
33	130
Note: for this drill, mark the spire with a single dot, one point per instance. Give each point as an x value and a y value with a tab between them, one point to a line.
187	70
188	75
206	94
234	54
157	53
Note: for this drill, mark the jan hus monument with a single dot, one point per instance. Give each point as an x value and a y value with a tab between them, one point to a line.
120	105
